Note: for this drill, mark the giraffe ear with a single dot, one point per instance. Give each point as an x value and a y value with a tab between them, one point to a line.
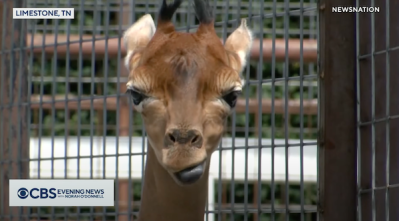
137	36
238	44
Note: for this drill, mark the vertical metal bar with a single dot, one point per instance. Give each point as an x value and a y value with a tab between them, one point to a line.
130	193
143	153
92	91
373	147
30	73
133	11
54	91
118	106
130	186
311	66
66	110
286	114
43	60
247	128
387	109
273	114
105	111
260	115
301	116
233	137
143	141
359	134
79	111
246	147
188	19
40	127
232	183
220	181
146	7
226	18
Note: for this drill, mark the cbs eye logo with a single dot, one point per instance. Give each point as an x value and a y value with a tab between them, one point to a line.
23	193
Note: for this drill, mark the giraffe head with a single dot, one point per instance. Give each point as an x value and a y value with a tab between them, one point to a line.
185	85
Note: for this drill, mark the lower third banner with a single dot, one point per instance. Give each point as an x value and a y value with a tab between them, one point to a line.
56	192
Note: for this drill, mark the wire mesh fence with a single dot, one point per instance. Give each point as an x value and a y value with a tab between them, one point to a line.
378	112
67	79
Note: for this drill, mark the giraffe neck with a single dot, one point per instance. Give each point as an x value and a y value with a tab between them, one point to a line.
163	199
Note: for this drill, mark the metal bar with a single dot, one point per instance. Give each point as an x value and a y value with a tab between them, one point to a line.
113	155
387	111
30	71
259	112
40	129
53	111
309	47
130	193
318	119
66	109
105	71
286	116
118	71
273	113
293	81
220	182
373	114
337	117
247	75
126	112
92	91
233	136
301	116
80	92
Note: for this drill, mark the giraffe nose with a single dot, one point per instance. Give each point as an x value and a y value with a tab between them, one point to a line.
192	138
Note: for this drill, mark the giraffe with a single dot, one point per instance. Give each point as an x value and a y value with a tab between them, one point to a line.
184	85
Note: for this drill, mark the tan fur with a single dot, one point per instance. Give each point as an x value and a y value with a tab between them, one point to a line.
185	75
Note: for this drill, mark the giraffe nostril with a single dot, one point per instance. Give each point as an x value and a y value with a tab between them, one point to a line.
172	138
190	138
195	139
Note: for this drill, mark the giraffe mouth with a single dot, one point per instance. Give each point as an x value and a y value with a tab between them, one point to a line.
190	175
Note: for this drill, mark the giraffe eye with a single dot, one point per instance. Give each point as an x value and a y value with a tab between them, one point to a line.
136	96
231	98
